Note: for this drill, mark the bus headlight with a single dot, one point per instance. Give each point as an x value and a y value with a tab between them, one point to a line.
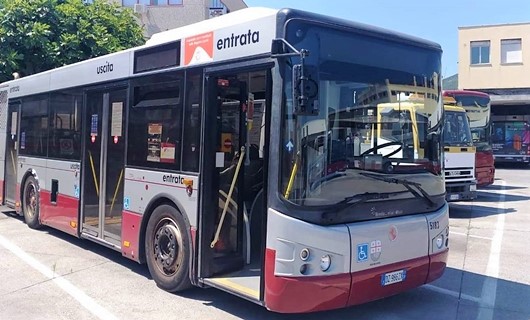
439	241
325	262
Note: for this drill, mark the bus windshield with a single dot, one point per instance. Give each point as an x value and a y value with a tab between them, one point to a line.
457	132
478	109
377	102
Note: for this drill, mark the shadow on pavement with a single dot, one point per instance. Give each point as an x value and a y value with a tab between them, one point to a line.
499	187
463	210
440	300
511	166
511	298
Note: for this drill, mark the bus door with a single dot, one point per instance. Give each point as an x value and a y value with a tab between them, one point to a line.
232	169
103	165
11	154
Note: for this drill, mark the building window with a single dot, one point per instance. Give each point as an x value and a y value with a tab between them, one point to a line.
480	52
511	51
130	3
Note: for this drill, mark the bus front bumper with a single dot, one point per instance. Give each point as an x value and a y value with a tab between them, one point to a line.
458	191
311	294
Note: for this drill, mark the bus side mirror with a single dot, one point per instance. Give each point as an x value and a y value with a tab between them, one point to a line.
432	148
305	90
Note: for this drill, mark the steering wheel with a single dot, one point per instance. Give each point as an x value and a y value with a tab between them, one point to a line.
391	143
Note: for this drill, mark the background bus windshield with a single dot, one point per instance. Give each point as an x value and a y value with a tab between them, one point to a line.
457	132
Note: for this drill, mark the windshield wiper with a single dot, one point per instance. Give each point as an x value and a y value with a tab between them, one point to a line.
357	199
363	197
407	184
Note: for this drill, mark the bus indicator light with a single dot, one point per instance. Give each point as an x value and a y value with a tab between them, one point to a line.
73	224
93	138
115	139
325	263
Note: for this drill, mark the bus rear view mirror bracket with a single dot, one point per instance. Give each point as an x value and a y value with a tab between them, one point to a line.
304	78
433	146
305	90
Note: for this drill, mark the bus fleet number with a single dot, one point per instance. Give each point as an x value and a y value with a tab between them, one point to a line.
434	225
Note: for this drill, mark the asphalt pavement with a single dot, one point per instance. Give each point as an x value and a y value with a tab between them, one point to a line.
46	274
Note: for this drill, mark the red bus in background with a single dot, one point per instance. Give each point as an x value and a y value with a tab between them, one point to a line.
478	108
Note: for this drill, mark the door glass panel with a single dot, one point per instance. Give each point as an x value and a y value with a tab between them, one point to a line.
104	163
115	159
232	176
11	153
228	148
91	167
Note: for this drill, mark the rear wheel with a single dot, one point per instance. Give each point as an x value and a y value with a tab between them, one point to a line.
30	203
167	249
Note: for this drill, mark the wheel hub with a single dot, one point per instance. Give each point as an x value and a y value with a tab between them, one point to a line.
167	246
31	200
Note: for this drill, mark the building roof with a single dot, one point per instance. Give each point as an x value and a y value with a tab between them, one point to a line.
494	25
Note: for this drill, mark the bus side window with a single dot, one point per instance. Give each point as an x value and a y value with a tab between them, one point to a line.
155	123
34	126
65	128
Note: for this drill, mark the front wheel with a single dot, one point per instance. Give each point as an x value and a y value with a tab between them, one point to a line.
30	203
167	249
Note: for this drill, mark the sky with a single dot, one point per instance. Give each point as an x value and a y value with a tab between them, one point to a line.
435	20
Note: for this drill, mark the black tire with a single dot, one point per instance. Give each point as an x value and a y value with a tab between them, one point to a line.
31	203
167	249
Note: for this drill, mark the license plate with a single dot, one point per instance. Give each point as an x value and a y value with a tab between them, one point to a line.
473	187
393	277
454	196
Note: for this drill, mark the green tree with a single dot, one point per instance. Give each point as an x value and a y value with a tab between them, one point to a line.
39	35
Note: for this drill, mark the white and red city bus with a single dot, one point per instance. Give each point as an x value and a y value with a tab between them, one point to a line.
193	154
478	107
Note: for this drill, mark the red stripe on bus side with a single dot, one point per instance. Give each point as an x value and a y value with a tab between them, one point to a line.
437	266
130	235
18	209
303	294
63	215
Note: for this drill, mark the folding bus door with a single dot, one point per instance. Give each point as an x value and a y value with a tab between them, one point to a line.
103	165
11	154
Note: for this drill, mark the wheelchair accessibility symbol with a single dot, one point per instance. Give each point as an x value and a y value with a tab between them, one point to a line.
362	252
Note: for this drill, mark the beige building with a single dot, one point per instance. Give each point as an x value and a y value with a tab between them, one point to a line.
162	15
496	59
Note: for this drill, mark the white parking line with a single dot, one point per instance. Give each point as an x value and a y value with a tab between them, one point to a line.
489	288
87	302
470	235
